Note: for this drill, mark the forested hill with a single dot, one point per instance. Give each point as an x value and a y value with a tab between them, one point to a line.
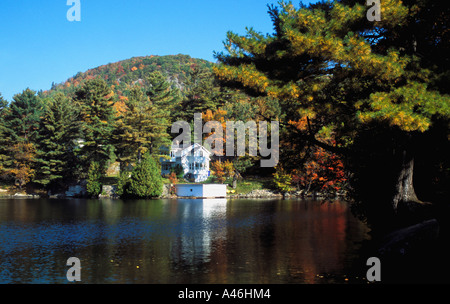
122	75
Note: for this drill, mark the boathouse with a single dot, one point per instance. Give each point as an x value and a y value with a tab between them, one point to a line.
201	190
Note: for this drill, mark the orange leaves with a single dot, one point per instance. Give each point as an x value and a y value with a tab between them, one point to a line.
219	115
222	170
24	156
323	172
301	124
120	106
173	178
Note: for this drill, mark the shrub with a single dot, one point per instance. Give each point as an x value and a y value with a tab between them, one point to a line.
146	180
123	183
94	185
282	180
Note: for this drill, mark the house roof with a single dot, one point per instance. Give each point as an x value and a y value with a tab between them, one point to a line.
190	147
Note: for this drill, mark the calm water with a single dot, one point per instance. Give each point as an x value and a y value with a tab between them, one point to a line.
179	241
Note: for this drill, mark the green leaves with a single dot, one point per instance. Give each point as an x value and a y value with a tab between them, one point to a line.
58	131
144	125
94	185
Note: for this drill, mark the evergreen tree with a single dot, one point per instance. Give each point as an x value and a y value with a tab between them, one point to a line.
94	185
146	180
140	129
20	130
201	94
329	63
123	183
160	92
22	119
3	105
164	101
97	115
59	130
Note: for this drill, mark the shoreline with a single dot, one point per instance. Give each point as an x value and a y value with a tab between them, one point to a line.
260	193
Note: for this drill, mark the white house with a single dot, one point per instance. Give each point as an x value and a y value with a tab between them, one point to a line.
194	160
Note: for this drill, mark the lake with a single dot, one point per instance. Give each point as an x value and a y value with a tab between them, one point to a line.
180	241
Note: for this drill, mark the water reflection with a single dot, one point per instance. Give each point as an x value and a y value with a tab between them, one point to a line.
177	241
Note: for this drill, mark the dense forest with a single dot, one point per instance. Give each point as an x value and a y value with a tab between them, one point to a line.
357	102
118	112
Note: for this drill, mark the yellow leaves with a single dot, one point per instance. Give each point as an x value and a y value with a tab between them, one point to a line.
246	74
409	107
110	95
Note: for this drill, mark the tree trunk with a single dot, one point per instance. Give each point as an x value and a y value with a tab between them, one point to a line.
404	188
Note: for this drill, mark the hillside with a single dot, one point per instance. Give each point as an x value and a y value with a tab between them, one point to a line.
122	75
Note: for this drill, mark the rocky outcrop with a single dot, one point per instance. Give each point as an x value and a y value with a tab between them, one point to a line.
258	193
108	191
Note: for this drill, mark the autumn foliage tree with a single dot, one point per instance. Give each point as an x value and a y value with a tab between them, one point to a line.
282	179
314	168
322	172
22	165
222	170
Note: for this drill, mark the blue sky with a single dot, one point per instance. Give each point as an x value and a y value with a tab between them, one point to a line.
38	45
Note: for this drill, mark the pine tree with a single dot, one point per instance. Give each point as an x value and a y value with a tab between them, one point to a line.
164	100
328	62
97	115
146	180
160	92
20	131
59	130
201	94
140	128
22	119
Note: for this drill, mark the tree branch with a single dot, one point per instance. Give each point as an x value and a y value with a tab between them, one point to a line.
311	138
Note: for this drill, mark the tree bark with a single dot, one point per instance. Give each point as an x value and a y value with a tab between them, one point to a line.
404	189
